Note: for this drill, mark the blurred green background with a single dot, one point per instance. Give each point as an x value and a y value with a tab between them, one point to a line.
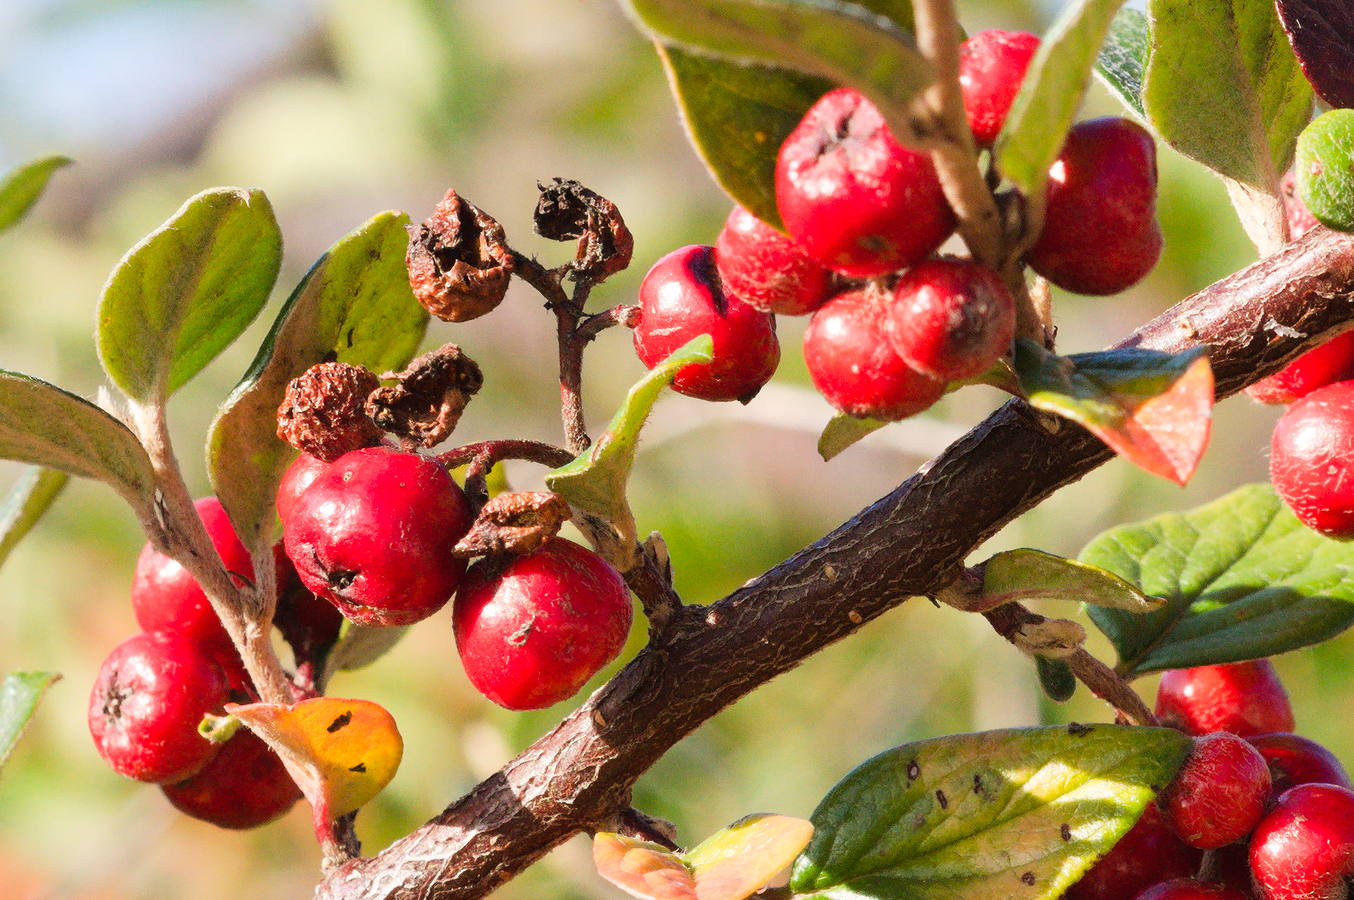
341	109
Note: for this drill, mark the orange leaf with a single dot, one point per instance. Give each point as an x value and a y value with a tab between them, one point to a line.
1167	434
736	862
642	869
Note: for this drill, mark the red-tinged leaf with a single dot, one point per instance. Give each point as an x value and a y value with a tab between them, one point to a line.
736	862
1167	434
1322	35
642	869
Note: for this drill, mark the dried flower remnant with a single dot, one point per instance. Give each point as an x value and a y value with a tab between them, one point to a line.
323	411
426	404
568	210
515	523
458	260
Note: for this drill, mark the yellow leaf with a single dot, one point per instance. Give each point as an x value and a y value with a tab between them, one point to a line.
736	862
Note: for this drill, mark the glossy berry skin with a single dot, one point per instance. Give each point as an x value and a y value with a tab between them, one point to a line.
951	318
1100	231
1322	365
298	476
532	629
1243	698
373	535
244	786
1189	889
1295	760
1219	793
992	66
854	198
150	694
681	298
1147	854
853	364
1304	848
1311	460
767	270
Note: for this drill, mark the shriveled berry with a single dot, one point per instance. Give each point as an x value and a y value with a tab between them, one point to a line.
1189	889
1322	365
992	66
323	411
1311	460
1295	760
854	198
459	261
1243	698
681	298
428	397
951	318
1303	849
244	786
1147	854
1219	793
767	270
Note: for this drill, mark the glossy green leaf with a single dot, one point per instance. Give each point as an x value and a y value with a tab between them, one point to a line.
1223	87
736	862
20	694
1242	579
842	431
355	302
23	185
1015	813
181	295
1055	678
1026	575
44	425
32	495
1325	168
1122	62
1051	93
1154	409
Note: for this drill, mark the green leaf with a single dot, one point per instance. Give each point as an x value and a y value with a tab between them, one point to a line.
23	185
1325	168
1223	87
842	431
355	302
1123	59
595	481
181	295
361	645
1016	813
1056	678
1242	579
1051	93
1027	575
42	424
32	495
20	694
1154	409
736	862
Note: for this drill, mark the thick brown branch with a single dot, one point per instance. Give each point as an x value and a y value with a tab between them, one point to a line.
909	543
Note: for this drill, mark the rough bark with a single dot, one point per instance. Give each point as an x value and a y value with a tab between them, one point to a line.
911	542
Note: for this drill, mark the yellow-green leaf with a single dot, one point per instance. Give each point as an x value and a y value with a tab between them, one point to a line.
736	862
23	185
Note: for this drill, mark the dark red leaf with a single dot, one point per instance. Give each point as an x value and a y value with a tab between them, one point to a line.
1322	35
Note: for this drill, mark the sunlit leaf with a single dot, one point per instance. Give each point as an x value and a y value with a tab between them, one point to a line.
30	498
1325	169
20	694
642	869
736	862
842	431
23	185
1027	575
1322	35
1123	59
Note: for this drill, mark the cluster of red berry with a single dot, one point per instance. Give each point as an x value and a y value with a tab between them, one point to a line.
1274	810
893	325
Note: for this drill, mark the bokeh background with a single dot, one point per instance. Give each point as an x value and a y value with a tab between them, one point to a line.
341	109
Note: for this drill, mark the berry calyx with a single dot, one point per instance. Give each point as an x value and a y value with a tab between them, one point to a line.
1147	854
992	66
767	270
951	318
1219	793
1295	760
1322	365
244	786
853	364
1311	460
1100	231
373	535
532	629
854	198
682	297
1304	848
1242	698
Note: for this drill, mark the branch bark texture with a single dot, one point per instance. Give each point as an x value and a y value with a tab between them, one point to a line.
911	542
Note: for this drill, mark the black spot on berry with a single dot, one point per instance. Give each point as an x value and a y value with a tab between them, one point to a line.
341	722
360	767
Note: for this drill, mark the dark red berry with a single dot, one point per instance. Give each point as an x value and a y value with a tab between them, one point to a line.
1322	365
992	65
951	318
681	298
1311	460
854	365
1219	793
308	623
150	694
1100	231
1300	218
244	786
1304	848
1243	698
533	629
767	270
854	198
373	534
298	476
1189	889
1295	760
1147	854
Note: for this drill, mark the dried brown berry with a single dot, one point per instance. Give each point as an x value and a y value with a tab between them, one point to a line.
323	411
459	262
516	523
568	210
426	404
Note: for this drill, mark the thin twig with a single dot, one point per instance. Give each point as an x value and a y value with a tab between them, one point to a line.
625	314
496	451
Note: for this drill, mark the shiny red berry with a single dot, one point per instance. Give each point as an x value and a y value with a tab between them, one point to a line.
532	629
1300	218
1295	760
1219	793
767	270
244	786
1311	460
1189	889
1243	698
1322	365
992	65
298	476
854	198
1303	849
681	298
951	318
1147	854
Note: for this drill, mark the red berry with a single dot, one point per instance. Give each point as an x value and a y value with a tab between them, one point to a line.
992	65
767	270
373	535
1300	218
854	366
1243	698
1219	793
1311	460
244	786
533	629
1295	760
682	298
1100	230
854	198
308	623
1322	365
1189	889
302	471
150	694
1147	854
1304	848
951	318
